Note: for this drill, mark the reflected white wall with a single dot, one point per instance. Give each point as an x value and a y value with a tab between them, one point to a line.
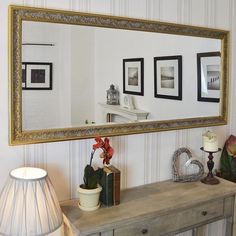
82	75
87	60
47	108
112	46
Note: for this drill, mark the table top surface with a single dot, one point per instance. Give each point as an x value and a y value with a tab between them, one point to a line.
145	201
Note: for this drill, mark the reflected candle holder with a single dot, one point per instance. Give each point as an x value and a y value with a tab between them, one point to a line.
210	179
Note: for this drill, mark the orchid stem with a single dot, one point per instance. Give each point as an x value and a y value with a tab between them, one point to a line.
91	157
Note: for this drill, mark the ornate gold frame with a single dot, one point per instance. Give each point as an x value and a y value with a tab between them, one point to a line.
18	13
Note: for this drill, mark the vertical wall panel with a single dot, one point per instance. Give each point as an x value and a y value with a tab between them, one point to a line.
151	161
211	13
120	159
135	160
167	148
58	168
222	14
156	9
149	9
188	233
199	12
35	155
188	11
137	8
169	10
79	157
101	6
28	2
64	4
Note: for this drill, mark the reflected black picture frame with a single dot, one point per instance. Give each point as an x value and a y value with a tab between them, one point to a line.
23	80
37	75
138	87
166	92
200	56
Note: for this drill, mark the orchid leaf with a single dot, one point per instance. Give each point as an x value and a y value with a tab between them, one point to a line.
92	177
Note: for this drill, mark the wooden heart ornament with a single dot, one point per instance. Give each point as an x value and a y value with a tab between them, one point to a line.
184	169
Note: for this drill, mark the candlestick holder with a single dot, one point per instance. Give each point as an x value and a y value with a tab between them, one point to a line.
210	179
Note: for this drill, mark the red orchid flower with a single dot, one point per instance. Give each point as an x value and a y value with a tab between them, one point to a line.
108	151
99	143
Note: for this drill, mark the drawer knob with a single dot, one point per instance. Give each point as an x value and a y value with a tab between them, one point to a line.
204	213
144	231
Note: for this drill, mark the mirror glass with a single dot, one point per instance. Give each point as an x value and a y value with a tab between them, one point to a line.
67	70
78	75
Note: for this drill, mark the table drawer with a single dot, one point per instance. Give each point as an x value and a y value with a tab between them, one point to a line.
174	221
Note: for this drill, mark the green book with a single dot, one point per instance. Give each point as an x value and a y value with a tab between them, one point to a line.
106	196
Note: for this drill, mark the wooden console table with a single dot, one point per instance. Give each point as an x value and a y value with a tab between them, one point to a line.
163	208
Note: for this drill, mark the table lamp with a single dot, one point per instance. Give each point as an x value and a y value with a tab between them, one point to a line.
28	204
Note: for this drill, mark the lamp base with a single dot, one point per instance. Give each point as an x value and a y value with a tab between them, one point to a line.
210	180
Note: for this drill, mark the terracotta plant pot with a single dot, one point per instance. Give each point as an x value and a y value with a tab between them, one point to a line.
89	198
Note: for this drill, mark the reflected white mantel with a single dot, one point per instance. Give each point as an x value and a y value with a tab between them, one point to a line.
129	114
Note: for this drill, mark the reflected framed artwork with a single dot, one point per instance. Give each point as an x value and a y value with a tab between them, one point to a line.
23	75
168	77
37	76
208	74
133	73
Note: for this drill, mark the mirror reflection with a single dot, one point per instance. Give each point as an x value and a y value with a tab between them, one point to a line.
67	71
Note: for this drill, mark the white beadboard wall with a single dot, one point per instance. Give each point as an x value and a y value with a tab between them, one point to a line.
142	158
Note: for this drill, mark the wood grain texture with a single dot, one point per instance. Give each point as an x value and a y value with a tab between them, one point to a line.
155	209
108	233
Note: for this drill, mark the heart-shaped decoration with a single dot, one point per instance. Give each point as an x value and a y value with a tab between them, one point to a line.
183	172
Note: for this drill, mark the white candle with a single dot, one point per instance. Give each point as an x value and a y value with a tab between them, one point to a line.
210	142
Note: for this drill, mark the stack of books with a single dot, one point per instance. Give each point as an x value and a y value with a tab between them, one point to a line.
110	183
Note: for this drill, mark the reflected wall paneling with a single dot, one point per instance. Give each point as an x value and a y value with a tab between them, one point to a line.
142	158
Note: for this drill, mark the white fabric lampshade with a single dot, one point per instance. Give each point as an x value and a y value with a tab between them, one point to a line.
28	204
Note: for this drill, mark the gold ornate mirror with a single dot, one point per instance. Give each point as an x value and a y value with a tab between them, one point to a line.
62	64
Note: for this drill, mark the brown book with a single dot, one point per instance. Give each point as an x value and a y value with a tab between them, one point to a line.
116	184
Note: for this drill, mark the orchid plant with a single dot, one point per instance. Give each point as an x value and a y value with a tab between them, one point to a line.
91	176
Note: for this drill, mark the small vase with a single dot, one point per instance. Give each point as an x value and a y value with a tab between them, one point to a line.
89	198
